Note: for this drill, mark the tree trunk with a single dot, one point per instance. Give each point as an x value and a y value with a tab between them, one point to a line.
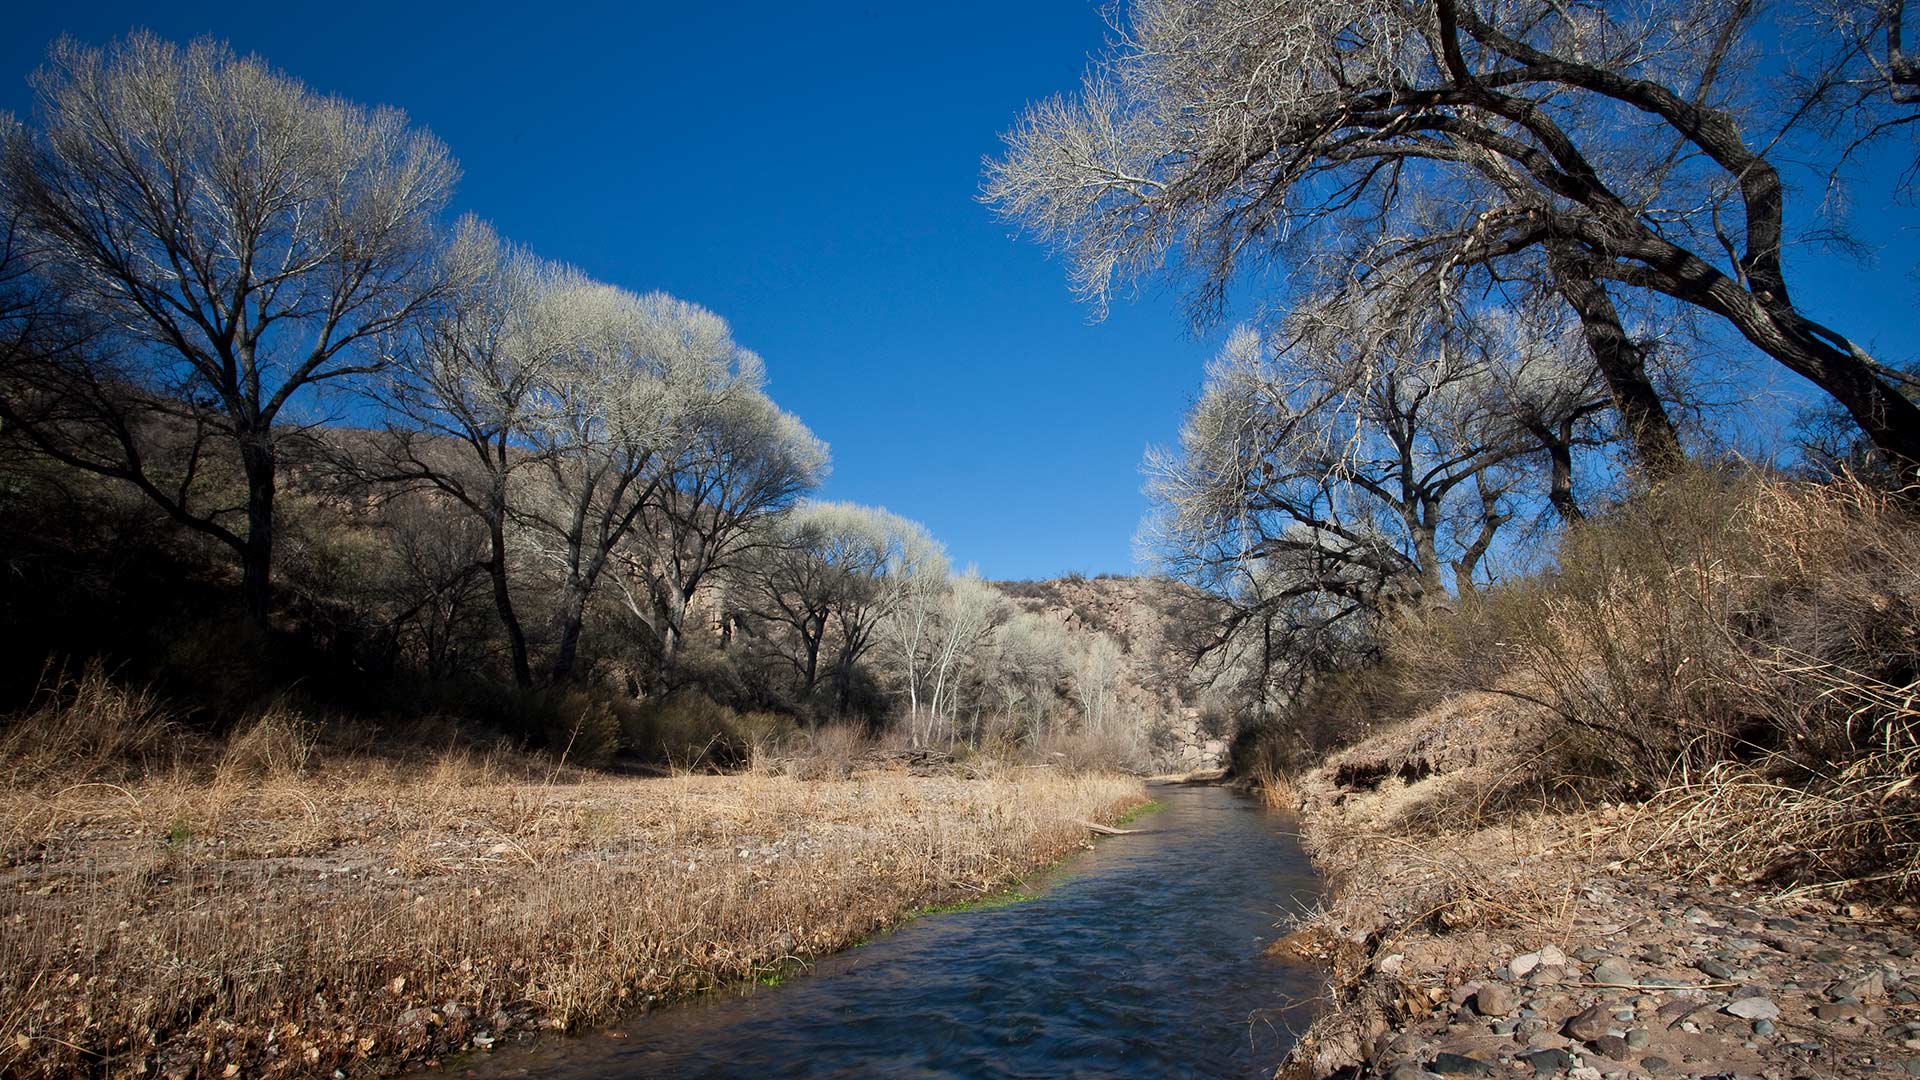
503	603
1622	364
572	614
1559	448
256	555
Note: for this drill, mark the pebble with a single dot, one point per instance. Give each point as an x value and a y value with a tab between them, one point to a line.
1638	1038
1613	972
1495	999
1458	1065
1548	1062
1754	1008
1612	1046
1763	1027
1590	1024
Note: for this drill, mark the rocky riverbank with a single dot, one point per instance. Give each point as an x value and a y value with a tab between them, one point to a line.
1468	943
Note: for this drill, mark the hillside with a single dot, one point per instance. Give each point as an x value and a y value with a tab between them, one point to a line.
1154	620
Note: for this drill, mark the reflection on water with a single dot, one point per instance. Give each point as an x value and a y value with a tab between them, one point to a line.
1142	958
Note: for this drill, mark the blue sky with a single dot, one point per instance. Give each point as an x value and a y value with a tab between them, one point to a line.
808	170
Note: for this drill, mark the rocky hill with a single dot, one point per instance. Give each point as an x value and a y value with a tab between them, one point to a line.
1154	620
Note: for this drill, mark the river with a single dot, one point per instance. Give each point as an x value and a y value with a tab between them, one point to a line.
1143	957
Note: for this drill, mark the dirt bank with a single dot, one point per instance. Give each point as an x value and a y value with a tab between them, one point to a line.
1471	941
362	918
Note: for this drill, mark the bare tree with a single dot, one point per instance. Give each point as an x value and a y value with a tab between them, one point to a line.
463	391
828	575
640	390
1362	462
1616	140
743	462
246	239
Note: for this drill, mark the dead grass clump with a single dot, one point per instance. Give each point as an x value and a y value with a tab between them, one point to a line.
828	752
276	741
1275	789
1853	825
87	726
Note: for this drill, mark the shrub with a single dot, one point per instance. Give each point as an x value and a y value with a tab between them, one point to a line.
687	729
581	728
1742	649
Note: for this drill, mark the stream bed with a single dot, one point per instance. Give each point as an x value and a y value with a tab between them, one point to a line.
1143	957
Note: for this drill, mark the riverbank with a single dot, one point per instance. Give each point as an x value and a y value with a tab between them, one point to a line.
1468	940
365	915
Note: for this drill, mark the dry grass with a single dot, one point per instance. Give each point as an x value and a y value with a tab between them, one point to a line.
1737	653
291	910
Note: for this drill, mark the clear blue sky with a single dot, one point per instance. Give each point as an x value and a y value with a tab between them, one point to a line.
808	170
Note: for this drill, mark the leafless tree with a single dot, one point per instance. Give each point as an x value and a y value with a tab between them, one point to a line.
825	577
649	391
245	239
742	462
1619	141
464	389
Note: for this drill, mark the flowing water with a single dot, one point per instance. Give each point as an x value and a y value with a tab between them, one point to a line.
1140	958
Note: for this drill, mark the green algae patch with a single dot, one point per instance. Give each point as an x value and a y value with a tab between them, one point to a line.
1152	806
992	901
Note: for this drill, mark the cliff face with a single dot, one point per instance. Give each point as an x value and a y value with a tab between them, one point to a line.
1150	619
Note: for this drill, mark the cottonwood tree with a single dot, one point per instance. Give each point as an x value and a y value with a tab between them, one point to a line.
1032	656
1096	668
1364	465
245	240
624	403
909	631
463	392
1615	142
963	626
742	462
825	578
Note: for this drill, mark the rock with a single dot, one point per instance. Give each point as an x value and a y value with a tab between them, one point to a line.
1611	1046
1495	999
1406	1072
1677	1010
1655	1064
1545	956
1763	1027
1587	954
1638	1038
1865	988
1548	1062
1458	1065
1754	1008
1589	1025
413	1030
1714	969
1613	972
